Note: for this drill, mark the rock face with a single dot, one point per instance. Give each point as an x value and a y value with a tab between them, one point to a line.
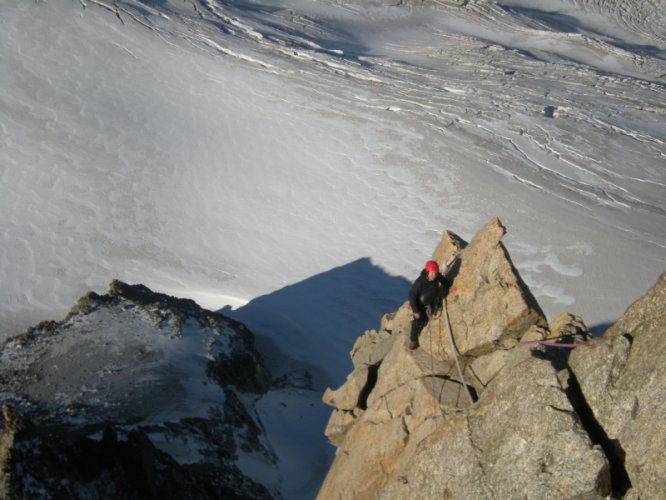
134	395
406	427
491	305
622	377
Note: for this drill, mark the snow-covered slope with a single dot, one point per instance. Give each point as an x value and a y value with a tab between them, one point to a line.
223	150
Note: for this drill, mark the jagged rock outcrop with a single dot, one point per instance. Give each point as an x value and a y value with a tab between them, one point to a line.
492	306
48	463
522	439
134	395
622	378
406	427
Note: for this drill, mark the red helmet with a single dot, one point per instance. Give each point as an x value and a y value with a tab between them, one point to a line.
431	265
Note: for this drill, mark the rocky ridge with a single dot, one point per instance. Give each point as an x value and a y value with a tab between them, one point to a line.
134	394
534	420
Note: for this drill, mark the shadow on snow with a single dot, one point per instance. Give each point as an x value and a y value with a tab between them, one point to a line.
312	325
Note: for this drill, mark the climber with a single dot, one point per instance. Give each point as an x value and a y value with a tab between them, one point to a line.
426	298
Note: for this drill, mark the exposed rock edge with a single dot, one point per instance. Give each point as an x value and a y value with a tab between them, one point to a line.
135	394
544	423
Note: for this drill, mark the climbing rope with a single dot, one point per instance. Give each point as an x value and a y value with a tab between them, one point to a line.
453	348
454	351
455	354
435	400
547	343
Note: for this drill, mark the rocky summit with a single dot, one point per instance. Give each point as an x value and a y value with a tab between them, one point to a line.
497	402
134	394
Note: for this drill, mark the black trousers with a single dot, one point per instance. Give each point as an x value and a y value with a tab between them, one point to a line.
417	326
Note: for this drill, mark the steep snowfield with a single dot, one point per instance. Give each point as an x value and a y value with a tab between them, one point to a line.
298	162
226	157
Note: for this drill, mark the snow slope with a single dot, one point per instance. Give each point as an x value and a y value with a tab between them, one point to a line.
226	157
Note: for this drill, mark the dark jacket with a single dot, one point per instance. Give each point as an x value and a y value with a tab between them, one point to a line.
424	293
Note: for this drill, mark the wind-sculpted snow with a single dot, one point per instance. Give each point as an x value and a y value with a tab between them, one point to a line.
216	170
644	18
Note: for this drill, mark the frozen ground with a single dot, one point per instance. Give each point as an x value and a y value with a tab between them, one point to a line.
296	161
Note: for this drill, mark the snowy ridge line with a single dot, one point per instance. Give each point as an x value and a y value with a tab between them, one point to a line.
572	110
219	13
268	43
210	43
540	167
522	180
396	74
645	16
640	16
508	103
141	5
116	9
498	15
231	53
601	195
596	172
574	152
629	133
577	38
502	24
336	67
